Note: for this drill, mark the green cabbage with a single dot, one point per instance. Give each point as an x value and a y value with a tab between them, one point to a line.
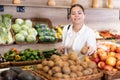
23	32
19	37
31	38
28	22
25	27
32	31
16	28
19	21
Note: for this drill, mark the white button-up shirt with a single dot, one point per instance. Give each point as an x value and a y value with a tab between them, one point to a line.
83	37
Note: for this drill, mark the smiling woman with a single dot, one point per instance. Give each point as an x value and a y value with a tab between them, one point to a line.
77	35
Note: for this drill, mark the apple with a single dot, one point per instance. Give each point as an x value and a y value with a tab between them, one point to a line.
101	64
117	55
118	36
96	59
113	48
111	61
118	64
103	56
108	68
111	54
118	49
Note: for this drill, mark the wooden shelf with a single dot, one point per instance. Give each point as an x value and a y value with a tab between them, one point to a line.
31	5
46	6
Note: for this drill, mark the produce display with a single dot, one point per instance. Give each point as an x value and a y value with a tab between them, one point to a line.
27	54
23	30
5	27
59	31
66	67
107	56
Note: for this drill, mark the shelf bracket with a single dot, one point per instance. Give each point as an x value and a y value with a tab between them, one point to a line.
1	8
20	8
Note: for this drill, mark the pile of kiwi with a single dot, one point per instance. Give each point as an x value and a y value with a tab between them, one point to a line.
67	66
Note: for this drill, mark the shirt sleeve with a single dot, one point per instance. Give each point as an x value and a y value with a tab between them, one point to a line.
64	34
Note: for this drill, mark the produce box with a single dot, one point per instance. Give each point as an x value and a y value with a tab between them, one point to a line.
23	63
24	31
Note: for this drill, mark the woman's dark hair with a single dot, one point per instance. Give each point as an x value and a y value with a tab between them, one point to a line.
76	5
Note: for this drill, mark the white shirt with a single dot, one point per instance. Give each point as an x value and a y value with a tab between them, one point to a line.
76	41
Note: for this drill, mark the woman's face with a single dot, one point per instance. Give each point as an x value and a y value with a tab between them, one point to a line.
77	15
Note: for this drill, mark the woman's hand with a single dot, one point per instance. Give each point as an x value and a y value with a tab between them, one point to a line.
90	51
61	49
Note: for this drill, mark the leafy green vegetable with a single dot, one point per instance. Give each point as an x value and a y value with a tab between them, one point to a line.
19	21
16	28
20	37
31	38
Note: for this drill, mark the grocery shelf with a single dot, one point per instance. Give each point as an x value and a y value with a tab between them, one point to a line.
32	5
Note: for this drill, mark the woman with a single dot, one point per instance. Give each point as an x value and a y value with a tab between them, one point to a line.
77	35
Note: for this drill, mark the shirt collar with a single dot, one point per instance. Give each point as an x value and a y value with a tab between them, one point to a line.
79	32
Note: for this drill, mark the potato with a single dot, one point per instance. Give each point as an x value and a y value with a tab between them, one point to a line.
51	63
46	69
66	70
56	69
58	75
39	66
